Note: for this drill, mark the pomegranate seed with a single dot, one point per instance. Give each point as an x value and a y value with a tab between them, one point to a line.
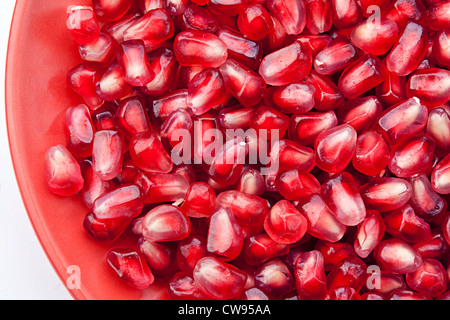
360	113
253	294
319	16
82	79
276	38
405	294
327	96
342	293
370	233
289	64
440	176
392	90
371	153
134	63
170	102
82	24
412	156
346	13
165	66
435	247
111	10
131	267
309	273
336	56
251	182
100	51
165	223
305	127
275	279
437	16
386	194
161	187
176	7
372	296
290	13
291	155
107	153
334	148
189	251
427	203
93	185
79	130
270	119
350	272
254	22
441	48
430	279
218	279
395	255
235	117
161	258
112	84
104	118
62	171
105	230
404	224
116	28
322	223
261	248
295	184
197	48
296	97
241	49
124	201
226	7
438	128
386	284
131	115
362	75
402	11
183	287
446	227
199	18
431	86
334	253
315	42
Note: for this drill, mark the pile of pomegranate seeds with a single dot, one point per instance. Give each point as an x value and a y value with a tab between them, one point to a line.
264	149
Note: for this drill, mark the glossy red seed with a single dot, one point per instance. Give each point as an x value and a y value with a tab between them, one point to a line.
253	294
131	116
430	279
319	15
334	253
226	7
107	153
218	279
403	11
342	293
334	148
197	48
131	267
405	294
165	66
251	182
134	63
111	10
160	257
350	272
441	48
440	176
175	7
159	187
270	120
274	278
305	127
260	248
446	227
183	287
371	153
286	154
309	273
199	18
437	16
290	13
189	251
404	224
296	97
199	201
112	84
82	79
170	102
102	50
122	202
105	230
426	202
346	13
336	56
327	96
369	234
93	185
392	90
438	127
384	283
79	130
82	24
295	184
165	223
431	86
235	117
395	255
254	22
287	65
435	247
386	194
148	153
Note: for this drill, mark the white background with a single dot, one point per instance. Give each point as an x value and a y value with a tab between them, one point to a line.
25	272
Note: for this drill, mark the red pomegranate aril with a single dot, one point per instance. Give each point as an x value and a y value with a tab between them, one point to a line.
201	49
284	223
362	75
290	13
189	251
431	86
371	153
305	127
405	294
270	120
275	279
165	223
225	237
175	7
175	130
403	11
295	184
346	14
342	293
397	256
161	187
404	224
253	294
117	28
183	287
218	279
243	83
112	84
241	49
322	223
286	154
104	118
435	247
445	225
319	15
360	113
403	120
350	272
309	274
334	148
122	202
200	200
413	156
105	230
199	18
153	28
437	16
334	253
160	257
111	10
170	102
336	56
131	115
369	234
249	210
276	38
430	279
82	79
148	153
287	65
235	117
107	153
375	36
427	203
383	282
102	50
133	61
386	194
226	7
79	130
440	176
82	24
315	42
441	48
251	182
342	196
165	66
93	187
129	171
261	248
254	22
409	51
62	171
392	90
327	96
438	128
131	267
296	97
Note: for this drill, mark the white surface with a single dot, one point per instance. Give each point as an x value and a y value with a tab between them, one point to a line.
25	272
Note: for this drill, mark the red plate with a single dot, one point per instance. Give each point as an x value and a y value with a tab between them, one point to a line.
40	53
